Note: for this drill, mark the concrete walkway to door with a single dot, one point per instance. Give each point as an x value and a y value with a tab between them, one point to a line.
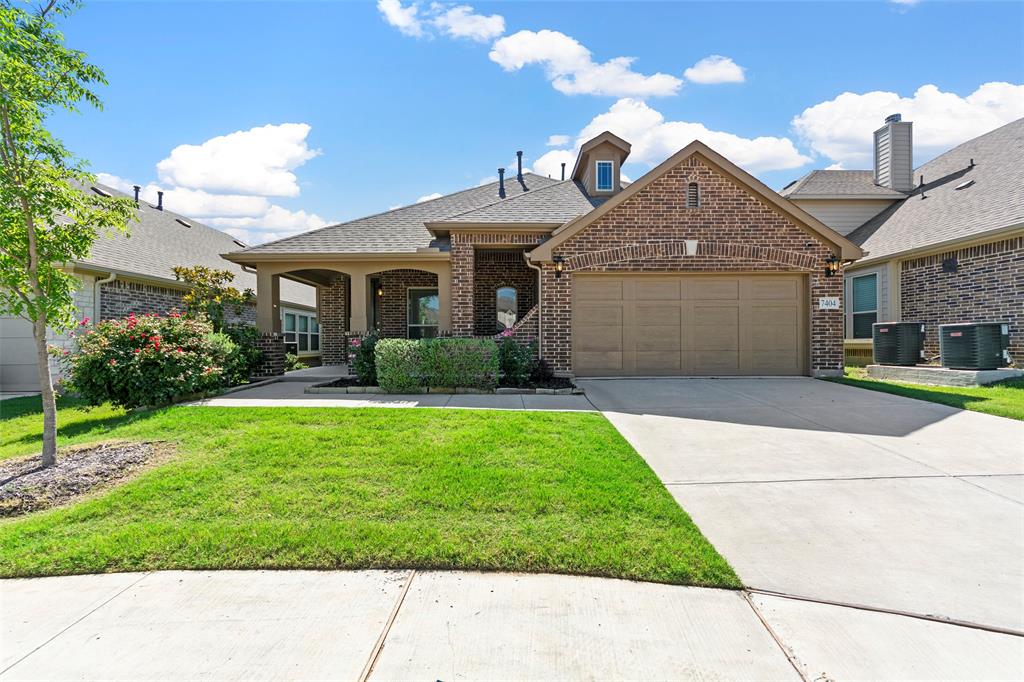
840	494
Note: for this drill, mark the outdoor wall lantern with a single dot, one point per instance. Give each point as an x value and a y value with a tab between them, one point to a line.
380	292
831	266
559	266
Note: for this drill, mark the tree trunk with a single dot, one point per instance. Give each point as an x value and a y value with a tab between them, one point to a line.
46	389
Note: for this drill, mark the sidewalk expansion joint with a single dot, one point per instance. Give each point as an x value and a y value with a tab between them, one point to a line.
379	644
893	612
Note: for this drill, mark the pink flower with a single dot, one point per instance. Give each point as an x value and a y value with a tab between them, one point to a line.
84	322
138	350
112	362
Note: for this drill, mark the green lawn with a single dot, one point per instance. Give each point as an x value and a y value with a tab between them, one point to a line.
362	488
1005	399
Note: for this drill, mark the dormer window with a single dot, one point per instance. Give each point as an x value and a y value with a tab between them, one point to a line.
693	195
605	177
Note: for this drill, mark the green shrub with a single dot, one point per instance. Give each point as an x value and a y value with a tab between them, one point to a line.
398	365
404	365
243	360
147	361
515	360
292	362
361	356
466	363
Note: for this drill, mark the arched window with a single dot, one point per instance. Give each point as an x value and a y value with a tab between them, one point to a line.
692	195
506	308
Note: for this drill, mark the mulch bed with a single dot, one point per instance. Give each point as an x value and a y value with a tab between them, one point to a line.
553	382
25	487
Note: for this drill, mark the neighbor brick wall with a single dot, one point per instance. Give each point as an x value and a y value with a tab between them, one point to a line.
121	297
494	270
333	317
736	232
987	287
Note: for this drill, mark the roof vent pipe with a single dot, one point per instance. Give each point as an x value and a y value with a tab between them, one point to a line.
137	190
519	162
159	201
563	170
501	183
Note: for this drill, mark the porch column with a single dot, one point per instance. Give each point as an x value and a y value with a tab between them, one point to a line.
358	317
268	301
444	300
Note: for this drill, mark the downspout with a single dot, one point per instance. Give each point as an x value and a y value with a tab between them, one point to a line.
96	311
540	309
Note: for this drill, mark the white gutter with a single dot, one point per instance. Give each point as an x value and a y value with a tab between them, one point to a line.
540	309
96	294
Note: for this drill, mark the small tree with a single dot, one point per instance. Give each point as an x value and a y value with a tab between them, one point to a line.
210	293
46	220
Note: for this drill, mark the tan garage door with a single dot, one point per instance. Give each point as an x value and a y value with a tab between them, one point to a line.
637	325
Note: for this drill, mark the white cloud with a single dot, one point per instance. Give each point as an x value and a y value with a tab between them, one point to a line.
461	22
550	164
558	140
487	180
429	197
835	166
277	223
654	139
715	69
193	202
405	19
841	128
571	69
255	161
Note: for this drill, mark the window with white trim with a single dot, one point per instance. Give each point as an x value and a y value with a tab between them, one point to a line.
301	334
505	305
864	306
605	175
424	313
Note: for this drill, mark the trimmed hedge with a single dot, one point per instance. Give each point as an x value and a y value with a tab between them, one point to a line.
405	365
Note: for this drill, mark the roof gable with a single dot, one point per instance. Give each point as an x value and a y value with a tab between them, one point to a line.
845	249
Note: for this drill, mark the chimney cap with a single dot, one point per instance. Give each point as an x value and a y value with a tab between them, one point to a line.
894	118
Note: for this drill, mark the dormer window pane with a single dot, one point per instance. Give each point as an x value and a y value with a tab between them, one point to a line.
604	176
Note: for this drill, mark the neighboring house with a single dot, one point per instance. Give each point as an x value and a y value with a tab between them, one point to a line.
943	243
133	274
696	268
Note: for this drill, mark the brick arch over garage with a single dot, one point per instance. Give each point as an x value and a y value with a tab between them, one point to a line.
658	251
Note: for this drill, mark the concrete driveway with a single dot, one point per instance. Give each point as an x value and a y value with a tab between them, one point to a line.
841	494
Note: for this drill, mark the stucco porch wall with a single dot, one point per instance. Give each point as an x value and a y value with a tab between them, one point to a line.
735	232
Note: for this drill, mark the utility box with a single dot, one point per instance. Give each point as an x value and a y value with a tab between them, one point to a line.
897	343
976	345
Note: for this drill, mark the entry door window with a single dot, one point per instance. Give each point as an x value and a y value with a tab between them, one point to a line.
865	305
424	313
506	306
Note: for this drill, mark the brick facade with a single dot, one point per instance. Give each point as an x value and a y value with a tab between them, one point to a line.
494	270
332	314
121	297
735	231
393	305
271	363
988	286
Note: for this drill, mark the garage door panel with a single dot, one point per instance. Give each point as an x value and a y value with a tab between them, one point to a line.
593	315
769	288
701	325
599	289
657	315
658	290
659	338
714	288
708	315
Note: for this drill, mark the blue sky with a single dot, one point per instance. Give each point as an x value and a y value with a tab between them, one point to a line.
395	101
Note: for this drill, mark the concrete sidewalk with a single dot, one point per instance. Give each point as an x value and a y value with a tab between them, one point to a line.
291	394
399	625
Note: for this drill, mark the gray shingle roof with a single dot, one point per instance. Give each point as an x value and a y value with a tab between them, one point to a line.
401	230
557	203
838	183
157	242
993	200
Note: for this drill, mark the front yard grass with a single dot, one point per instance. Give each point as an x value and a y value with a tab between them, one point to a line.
364	488
1005	399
